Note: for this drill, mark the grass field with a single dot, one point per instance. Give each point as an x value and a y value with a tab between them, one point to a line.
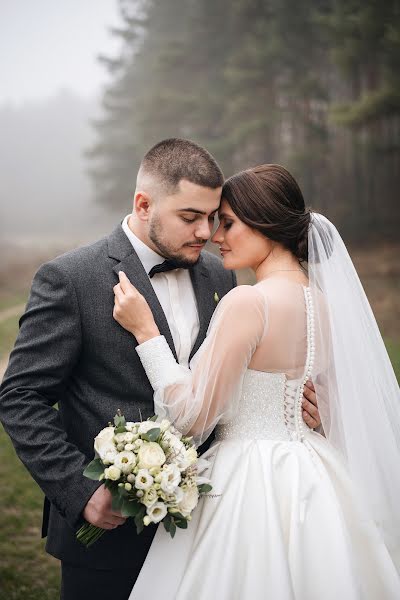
26	571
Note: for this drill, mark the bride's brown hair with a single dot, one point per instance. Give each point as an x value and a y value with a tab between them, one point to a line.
269	199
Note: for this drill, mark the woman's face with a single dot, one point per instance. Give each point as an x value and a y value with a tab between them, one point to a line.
240	245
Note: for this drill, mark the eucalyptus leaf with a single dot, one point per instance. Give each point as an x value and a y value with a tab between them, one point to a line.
119	421
139	523
179	516
167	523
204	488
120	429
172	529
130	509
182	524
116	503
94	469
153	418
152	435
122	493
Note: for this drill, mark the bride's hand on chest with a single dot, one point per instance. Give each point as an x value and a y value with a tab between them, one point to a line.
132	312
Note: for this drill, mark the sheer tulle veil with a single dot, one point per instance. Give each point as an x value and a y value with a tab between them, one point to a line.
358	395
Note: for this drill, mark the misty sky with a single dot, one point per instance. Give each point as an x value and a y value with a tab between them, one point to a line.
46	45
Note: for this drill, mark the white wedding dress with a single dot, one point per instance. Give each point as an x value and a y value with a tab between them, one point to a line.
284	521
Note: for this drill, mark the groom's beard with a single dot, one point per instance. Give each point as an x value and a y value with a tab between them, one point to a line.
165	249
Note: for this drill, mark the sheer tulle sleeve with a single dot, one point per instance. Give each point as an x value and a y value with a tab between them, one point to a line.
196	399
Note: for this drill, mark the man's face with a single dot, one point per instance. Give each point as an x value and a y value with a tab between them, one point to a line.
180	224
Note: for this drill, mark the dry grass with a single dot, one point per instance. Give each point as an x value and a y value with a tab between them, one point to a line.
25	569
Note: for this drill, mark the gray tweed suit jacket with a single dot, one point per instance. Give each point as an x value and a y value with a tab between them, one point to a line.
71	352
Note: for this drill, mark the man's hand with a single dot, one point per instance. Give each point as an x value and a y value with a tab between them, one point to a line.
98	510
310	406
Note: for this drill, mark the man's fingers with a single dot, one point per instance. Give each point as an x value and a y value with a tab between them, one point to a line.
310	395
118	518
110	525
310	385
309	420
310	408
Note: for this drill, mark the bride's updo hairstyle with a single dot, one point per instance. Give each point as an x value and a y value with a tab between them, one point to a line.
268	198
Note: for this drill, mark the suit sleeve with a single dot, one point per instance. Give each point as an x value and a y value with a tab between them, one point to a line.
46	350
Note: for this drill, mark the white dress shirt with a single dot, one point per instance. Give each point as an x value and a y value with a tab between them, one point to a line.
175	293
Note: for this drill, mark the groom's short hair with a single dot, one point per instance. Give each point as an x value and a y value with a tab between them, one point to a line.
174	159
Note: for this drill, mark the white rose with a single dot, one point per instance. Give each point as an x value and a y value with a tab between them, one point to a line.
189	501
157	512
150	455
143	480
112	473
129	437
125	461
170	479
174	442
178	495
150	496
103	442
164	425
110	456
119	438
145	426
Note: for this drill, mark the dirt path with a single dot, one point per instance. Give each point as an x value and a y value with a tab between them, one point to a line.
13	311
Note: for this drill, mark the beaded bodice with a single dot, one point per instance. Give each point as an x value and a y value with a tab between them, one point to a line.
271	404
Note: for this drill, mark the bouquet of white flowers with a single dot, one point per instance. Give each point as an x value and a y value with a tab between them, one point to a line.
152	472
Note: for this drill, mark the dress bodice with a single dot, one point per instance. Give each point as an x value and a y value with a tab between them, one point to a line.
270	406
267	409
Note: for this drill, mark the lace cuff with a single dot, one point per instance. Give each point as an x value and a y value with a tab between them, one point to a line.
159	363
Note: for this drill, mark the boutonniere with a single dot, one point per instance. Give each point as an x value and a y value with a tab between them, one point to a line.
216	297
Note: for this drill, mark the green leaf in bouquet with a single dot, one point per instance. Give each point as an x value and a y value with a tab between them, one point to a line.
172	529
152	435
204	488
120	430
122	493
130	509
139	519
111	485
94	469
117	502
153	418
119	420
167	522
179	520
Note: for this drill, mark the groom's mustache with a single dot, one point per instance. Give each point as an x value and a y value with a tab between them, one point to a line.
196	243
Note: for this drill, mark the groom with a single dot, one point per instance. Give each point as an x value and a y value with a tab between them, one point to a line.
71	352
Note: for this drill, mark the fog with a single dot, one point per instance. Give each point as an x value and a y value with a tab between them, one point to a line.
51	87
44	186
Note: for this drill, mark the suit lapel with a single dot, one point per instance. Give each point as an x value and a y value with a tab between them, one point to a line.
205	300
122	250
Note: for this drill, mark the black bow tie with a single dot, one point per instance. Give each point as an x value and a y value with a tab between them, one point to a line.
167	265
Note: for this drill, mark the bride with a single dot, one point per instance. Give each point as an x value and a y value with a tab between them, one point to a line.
292	514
